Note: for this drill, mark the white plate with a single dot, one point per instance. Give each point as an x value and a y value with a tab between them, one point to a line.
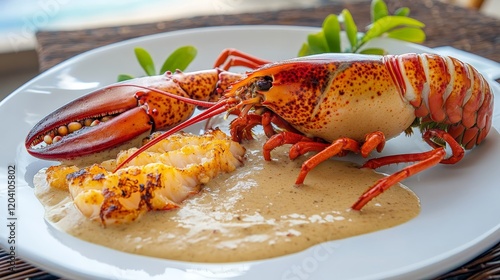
460	203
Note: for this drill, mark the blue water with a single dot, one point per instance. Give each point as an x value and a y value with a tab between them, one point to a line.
42	14
20	19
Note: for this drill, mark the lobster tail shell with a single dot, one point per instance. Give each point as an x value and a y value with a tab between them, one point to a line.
445	92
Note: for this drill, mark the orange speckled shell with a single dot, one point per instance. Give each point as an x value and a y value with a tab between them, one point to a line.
167	111
345	95
337	95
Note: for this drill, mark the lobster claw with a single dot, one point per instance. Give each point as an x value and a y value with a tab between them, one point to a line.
135	110
128	123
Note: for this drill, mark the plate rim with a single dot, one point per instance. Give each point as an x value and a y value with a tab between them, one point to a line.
78	57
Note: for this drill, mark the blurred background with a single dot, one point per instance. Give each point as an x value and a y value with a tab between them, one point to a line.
20	20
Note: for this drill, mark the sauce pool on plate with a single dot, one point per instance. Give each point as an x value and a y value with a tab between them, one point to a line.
252	213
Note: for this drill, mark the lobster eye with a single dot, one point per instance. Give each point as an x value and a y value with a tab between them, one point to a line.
264	83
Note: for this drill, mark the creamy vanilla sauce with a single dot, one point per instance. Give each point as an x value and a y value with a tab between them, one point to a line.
252	213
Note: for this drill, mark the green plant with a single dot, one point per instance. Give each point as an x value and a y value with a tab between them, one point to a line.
398	26
178	59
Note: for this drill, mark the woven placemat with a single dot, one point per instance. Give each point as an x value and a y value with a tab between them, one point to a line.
486	266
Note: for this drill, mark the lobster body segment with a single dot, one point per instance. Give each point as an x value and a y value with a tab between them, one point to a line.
446	93
334	96
331	96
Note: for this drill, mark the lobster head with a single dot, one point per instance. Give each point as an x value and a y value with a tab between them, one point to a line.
290	88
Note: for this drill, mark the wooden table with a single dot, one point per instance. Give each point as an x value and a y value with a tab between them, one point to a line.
446	26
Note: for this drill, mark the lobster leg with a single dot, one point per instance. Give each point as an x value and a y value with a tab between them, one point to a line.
423	161
303	144
457	152
281	139
303	147
431	158
241	128
233	57
374	140
337	147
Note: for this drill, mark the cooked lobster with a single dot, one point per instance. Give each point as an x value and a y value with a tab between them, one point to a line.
330	104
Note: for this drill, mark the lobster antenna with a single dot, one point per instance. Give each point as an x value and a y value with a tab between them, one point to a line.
205	104
214	109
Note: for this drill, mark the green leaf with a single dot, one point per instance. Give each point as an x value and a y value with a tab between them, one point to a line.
388	23
410	34
378	10
331	31
179	59
403	12
350	28
124	77
398	26
304	50
145	61
376	51
317	43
